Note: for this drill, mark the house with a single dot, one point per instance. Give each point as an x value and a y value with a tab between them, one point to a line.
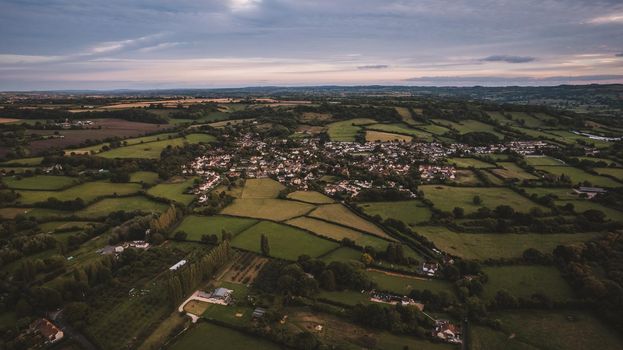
47	330
258	313
221	296
447	331
590	192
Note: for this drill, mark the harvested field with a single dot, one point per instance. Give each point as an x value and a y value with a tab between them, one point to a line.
267	208
374	136
339	214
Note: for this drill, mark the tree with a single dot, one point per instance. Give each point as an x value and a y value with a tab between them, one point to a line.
476	200
180	235
306	341
264	246
458	212
367	259
327	280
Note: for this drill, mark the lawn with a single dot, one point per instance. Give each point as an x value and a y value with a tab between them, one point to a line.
614	172
285	242
410	212
463	197
542	160
511	170
108	205
339	214
86	191
347	129
222	338
483	246
261	188
39	182
175	191
197	226
579	175
337	232
523	281
405	284
152	150
267	208
312	197
373	136
470	162
148	177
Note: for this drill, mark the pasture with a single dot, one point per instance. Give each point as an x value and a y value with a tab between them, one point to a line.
34	161
582	205
175	191
543	160
614	172
405	114
560	193
267	208
381	136
410	212
470	162
261	188
285	242
398	128
339	214
434	129
466	177
147	177
196	226
346	130
39	182
404	284
524	280
222	338
312	197
512	171
579	176
345	254
106	206
152	150
86	191
466	126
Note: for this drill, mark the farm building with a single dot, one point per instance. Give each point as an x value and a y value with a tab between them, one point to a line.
47	330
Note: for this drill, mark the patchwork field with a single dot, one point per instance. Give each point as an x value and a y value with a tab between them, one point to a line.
523	281
511	170
579	175
109	205
339	214
312	197
39	182
347	129
174	191
197	226
87	191
381	136
261	188
267	208
409	212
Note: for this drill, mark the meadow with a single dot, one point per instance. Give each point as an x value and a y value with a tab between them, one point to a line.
470	162
347	129
614	172
543	160
267	208
582	205
106	206
410	212
312	197
467	126
345	254
404	284
512	171
221	338
147	177
523	281
39	182
175	191
399	128
152	150
339	214
86	191
579	175
261	188
197	226
406	116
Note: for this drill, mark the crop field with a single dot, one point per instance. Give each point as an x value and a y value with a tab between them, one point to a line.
152	150
579	175
312	197
614	172
463	197
542	160
483	246
470	162
267	208
108	205
339	214
221	338
174	191
560	330
511	170
39	182
87	191
261	188
582	205
337	232
148	177
410	212
404	284
523	281
342	254
381	136
197	226
347	129
401	129
285	242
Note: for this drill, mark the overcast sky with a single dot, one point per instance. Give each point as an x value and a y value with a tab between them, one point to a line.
94	44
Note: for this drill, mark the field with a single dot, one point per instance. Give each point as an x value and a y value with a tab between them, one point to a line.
342	254
373	136
434	129
219	337
285	242
337	232
147	177
484	246
466	177
560	193
24	161
339	214
556	330
347	129
10	213
174	191
466	126
197	226
39	182
523	281
409	212
87	191
261	188
152	150
511	170
108	205
401	129
470	162
463	197
63	225
579	175
405	114
267	208
312	197
614	172
404	284
582	205
542	160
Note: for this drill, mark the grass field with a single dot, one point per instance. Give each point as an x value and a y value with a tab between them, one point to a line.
197	226
560	193
347	129
511	170
285	242
614	172
543	160
523	281
579	175
312	197
152	150
434	129
127	142
261	188
582	205
410	212
404	284
336	232
494	180
406	116
219	337
466	126
148	177
343	254
87	191
10	213
399	128
470	162
373	136
463	197
109	205
174	191
267	208
483	246
39	182
466	177
57	225
24	161
340	214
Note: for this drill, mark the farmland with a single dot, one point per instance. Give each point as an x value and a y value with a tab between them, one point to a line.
175	191
523	281
339	214
373	136
153	149
108	205
470	162
223	338
197	226
267	208
614	172
347	129
404	284
410	212
579	176
512	171
39	182
310	197
261	188
87	191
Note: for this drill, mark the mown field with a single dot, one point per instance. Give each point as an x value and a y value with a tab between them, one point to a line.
523	281
175	190
39	182
410	212
87	191
196	226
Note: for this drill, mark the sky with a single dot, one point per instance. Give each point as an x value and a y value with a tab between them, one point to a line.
157	44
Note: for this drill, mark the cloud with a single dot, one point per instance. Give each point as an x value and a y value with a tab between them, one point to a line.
613	18
517	80
619	55
373	66
508	59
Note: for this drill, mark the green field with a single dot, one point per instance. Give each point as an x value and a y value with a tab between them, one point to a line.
560	193
24	161
434	129
382	136
61	225
267	208
511	170
220	338
342	254
463	197
405	114
523	281
152	150
87	191
127	142
579	175
542	160
175	191
470	162
614	172
466	126
148	177
39	182
347	129
312	197
582	205
466	177
339	214
404	284
261	188
401	129
108	205
285	242
197	226
483	246
410	212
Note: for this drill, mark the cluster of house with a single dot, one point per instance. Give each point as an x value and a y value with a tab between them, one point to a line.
393	299
428	268
351	188
118	249
447	331
48	332
429	172
67	124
